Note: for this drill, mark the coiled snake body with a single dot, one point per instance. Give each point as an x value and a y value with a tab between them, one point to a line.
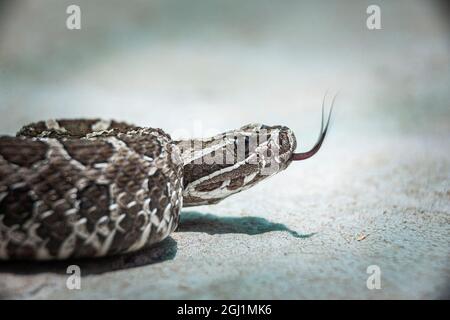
86	188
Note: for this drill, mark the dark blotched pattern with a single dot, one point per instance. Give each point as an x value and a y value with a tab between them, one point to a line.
107	192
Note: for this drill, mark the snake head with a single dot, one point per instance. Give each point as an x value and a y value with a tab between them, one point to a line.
217	167
269	147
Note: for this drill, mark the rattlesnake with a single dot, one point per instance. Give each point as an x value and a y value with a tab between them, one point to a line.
87	188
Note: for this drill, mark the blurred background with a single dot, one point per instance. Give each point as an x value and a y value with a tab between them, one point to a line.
226	63
195	68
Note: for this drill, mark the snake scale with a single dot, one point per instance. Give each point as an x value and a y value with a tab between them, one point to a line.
90	187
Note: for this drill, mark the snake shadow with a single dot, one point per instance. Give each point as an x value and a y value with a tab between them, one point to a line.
165	250
193	221
190	221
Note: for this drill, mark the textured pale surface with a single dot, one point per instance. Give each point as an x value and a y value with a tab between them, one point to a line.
384	172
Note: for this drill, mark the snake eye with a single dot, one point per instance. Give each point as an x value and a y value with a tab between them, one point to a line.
284	143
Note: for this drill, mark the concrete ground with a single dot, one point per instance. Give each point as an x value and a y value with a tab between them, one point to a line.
378	193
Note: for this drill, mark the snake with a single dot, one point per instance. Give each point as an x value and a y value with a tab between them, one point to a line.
77	188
